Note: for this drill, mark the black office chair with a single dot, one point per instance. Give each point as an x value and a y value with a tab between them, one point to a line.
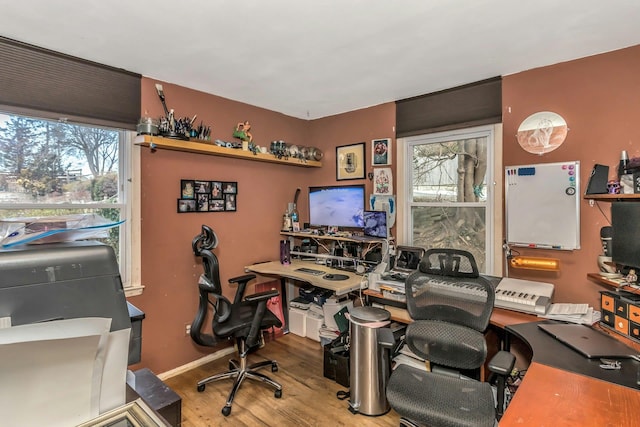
451	306
245	319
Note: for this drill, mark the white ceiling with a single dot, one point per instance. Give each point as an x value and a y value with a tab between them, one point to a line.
315	58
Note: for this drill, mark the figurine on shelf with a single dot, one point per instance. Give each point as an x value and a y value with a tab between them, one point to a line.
632	277
242	131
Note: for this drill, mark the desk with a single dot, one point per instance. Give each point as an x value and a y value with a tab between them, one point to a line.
554	397
276	269
561	387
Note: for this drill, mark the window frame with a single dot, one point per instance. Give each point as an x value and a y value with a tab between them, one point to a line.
128	200
494	179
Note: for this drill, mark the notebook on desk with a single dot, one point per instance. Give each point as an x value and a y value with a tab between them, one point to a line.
587	341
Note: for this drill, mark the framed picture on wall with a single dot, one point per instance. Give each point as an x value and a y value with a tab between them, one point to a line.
186	205
229	202
382	181
381	152
187	189
350	163
230	187
216	190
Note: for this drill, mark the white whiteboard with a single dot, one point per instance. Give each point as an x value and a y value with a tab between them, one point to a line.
542	205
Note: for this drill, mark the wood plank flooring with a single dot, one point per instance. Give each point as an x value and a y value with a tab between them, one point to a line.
308	398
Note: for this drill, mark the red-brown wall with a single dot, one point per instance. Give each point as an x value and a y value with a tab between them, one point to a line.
169	269
598	96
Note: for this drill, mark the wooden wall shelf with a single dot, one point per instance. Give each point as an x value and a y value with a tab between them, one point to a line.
611	283
612	197
211	149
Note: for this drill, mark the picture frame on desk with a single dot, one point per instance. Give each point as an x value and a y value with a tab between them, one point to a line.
350	162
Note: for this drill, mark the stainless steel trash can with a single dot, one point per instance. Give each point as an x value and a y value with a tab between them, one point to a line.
370	364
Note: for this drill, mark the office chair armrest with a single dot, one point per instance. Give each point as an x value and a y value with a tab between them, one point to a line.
502	363
242	285
259	296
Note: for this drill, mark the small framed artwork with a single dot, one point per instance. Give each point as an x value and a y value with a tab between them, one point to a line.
230	188
381	152
187	189
382	181
229	202
216	190
186	205
216	205
350	162
203	187
202	202
207	196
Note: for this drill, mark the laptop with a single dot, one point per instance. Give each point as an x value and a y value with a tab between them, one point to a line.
587	341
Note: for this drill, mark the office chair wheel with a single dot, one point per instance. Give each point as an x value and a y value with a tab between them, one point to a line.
278	394
274	367
226	411
201	388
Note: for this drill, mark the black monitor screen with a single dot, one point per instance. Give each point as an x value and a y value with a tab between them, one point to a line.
625	242
375	224
337	206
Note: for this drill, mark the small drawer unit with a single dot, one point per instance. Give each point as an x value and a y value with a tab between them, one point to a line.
621	313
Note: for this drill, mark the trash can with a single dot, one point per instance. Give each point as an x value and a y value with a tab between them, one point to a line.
370	363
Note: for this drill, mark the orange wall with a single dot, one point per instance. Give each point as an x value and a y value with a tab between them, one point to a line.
251	234
598	97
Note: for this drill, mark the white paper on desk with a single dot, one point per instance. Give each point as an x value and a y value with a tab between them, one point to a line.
568	309
50	372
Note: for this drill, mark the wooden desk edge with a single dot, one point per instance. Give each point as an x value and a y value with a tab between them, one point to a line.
500	317
274	268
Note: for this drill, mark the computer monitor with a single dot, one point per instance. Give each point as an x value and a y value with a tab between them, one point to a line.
375	224
625	241
337	206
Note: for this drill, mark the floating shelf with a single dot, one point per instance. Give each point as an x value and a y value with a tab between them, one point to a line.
612	197
210	149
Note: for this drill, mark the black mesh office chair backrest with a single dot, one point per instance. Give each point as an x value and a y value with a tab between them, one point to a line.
452	306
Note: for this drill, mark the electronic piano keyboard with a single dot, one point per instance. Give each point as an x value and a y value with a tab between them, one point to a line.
524	295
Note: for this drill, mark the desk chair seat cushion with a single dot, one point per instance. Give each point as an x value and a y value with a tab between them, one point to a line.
440	400
239	322
447	344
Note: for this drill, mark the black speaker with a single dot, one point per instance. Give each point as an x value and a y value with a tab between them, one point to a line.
598	180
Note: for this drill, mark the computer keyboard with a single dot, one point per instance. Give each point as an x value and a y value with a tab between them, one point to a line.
310	271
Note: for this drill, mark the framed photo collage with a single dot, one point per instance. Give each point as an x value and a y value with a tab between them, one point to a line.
207	196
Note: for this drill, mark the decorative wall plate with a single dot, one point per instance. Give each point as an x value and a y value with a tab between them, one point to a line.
542	132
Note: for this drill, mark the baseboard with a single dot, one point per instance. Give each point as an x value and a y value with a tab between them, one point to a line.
199	362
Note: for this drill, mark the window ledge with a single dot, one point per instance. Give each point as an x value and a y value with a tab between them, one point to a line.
132	291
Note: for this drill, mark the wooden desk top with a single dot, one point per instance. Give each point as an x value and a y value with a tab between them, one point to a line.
554	397
500	317
340	287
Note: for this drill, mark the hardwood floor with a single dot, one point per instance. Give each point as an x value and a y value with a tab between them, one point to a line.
308	398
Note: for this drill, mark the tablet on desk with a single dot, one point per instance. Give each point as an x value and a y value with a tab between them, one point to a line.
587	341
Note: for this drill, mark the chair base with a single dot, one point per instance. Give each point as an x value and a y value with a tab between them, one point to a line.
239	371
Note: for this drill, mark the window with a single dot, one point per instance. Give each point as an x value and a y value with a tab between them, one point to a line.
58	168
446	193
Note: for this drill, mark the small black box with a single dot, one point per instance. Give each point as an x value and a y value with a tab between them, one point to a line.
336	366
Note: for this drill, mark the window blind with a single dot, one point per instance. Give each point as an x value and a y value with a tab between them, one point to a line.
56	85
474	104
